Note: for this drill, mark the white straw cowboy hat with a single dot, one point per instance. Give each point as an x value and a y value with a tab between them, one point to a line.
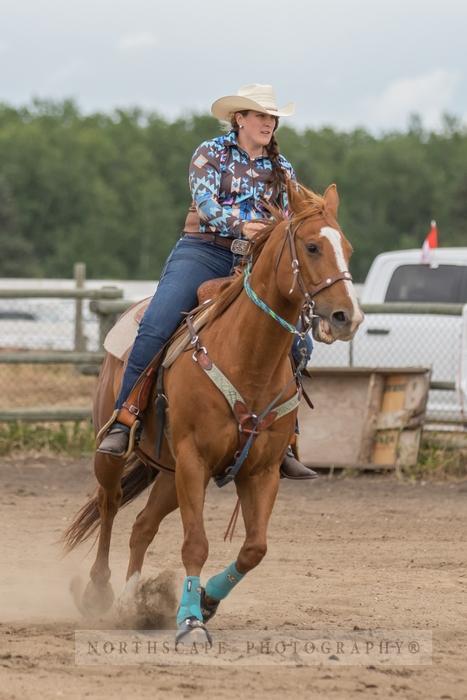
260	98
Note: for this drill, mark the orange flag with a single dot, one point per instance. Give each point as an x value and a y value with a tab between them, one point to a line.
430	242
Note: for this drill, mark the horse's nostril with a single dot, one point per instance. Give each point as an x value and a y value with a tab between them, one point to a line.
340	317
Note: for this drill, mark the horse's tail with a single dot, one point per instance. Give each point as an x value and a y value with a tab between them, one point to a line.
136	478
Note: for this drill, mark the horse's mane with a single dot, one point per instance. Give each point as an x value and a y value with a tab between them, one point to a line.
233	288
311	204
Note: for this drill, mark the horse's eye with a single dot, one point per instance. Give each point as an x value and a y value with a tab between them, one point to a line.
312	248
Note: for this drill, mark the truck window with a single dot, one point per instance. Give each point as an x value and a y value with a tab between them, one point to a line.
443	284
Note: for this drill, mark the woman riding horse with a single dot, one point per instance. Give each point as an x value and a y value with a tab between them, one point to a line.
298	268
232	179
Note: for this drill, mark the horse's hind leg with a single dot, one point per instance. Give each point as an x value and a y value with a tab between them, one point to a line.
98	595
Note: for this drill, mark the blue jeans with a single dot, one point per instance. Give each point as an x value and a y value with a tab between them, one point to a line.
190	263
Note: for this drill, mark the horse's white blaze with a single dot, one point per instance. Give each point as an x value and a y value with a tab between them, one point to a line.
335	239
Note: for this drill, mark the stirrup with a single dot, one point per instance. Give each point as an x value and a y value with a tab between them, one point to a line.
131	435
106	426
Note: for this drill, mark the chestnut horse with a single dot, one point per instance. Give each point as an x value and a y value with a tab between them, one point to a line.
296	261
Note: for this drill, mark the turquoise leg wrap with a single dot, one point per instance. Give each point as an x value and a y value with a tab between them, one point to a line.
219	586
190	602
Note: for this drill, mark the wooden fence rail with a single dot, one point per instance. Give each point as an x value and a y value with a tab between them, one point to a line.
101	293
108	304
25	357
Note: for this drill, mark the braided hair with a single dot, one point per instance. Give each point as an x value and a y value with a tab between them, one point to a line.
278	177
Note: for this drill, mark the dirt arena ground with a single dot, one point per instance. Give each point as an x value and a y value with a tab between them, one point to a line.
344	554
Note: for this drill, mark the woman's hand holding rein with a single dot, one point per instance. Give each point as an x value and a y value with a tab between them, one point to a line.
251	228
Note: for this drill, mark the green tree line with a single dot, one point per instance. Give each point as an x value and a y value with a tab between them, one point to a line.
111	190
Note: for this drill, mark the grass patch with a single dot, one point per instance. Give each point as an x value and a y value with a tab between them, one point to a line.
74	438
441	456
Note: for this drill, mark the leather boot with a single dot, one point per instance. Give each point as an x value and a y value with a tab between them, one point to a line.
291	468
115	442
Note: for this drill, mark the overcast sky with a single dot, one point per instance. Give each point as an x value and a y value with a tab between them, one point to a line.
345	63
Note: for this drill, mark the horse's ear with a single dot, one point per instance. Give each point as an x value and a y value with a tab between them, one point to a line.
332	200
296	197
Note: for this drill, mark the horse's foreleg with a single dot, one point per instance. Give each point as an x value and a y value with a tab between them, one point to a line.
191	478
98	595
162	501
257	497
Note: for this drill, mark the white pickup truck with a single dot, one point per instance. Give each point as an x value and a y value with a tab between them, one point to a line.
396	334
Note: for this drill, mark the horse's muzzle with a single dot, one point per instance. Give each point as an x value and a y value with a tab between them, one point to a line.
340	325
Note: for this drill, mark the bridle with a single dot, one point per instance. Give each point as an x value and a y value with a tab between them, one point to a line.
307	310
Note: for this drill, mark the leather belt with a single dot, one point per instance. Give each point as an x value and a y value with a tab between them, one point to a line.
237	246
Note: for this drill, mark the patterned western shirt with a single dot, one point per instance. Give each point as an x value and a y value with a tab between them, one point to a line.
228	187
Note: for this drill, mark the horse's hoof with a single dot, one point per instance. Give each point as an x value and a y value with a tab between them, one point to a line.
97	600
126	603
192	631
208	610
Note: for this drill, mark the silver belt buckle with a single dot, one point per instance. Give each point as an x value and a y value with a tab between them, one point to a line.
240	246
